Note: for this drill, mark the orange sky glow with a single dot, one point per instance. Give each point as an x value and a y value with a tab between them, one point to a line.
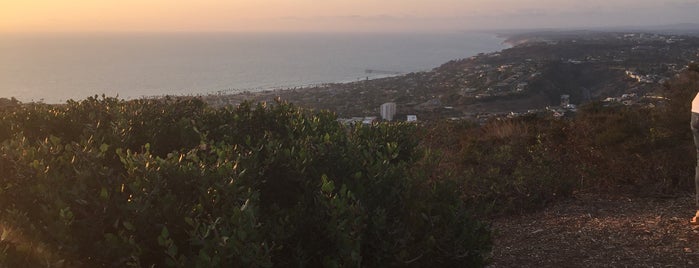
332	15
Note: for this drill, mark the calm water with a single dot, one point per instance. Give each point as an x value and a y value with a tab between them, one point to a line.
57	67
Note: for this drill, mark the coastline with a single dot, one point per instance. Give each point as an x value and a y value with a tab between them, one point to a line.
256	92
293	71
516	80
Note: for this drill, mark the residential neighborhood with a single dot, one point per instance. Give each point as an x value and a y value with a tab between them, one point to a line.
530	76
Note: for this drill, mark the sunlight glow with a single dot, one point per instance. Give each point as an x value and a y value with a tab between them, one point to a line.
337	15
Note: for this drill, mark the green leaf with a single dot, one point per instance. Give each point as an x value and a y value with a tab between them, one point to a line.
104	147
110	237
164	233
328	185
128	226
54	139
104	194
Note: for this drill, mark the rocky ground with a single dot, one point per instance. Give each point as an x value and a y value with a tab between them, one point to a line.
594	230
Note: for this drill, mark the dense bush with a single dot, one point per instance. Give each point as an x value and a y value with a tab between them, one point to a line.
105	182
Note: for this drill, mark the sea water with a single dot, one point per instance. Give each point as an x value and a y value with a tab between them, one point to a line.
55	67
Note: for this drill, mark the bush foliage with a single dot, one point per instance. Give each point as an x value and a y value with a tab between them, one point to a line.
525	162
173	183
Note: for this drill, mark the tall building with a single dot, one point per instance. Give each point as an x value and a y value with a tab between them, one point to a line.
388	110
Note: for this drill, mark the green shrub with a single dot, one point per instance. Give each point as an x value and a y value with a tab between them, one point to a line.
104	182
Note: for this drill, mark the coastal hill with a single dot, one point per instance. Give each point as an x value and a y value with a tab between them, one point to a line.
531	75
172	182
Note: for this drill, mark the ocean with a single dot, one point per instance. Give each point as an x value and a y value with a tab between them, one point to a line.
53	68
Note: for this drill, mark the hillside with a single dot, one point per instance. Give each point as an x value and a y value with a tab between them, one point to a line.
531	75
176	182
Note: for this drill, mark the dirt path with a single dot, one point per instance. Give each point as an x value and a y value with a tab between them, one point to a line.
592	230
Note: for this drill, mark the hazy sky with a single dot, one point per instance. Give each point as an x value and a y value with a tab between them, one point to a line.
334	15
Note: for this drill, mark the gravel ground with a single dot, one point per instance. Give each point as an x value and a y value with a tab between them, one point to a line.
593	230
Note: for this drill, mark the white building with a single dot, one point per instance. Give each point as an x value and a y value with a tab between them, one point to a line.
411	118
369	120
388	110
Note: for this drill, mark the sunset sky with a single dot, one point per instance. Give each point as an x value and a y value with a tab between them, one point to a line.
334	15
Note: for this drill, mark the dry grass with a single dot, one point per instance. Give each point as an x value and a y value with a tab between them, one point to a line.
502	129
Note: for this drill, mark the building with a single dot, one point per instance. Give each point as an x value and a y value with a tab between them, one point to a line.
388	110
369	120
565	100
411	118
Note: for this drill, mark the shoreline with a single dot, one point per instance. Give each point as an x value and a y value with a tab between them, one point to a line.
36	91
257	91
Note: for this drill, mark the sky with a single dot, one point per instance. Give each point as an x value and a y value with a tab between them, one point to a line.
334	15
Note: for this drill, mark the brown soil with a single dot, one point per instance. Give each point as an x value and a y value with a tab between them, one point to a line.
593	230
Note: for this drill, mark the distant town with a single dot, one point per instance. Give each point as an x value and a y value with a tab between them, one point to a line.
549	72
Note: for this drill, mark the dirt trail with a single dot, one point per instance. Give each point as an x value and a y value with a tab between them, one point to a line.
592	230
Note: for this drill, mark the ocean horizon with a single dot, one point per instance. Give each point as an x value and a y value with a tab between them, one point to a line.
53	68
